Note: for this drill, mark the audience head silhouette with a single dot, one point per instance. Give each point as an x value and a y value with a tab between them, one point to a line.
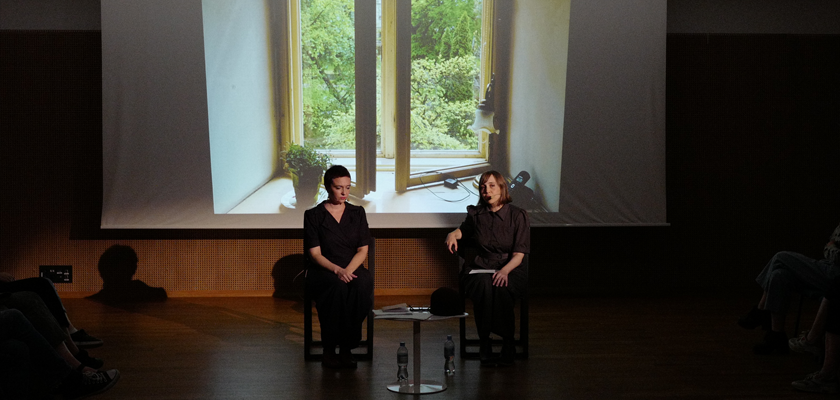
118	264
117	267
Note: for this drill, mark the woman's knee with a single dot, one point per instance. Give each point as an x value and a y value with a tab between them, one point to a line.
781	278
40	283
25	300
478	285
788	259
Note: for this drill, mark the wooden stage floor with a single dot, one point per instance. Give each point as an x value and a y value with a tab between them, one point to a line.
581	348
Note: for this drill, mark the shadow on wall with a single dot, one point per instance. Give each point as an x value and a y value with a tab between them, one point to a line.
288	274
117	266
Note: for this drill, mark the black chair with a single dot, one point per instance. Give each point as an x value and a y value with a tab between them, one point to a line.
308	302
473	342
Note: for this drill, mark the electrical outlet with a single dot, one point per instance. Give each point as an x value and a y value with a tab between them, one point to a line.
58	273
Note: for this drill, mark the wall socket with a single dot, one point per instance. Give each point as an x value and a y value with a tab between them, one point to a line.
57	273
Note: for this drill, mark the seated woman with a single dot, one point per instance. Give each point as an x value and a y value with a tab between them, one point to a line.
502	234
336	239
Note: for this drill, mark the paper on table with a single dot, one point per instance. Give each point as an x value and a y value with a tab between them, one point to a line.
401	308
482	271
379	314
440	317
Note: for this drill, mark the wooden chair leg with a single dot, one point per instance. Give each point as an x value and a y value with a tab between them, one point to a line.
308	342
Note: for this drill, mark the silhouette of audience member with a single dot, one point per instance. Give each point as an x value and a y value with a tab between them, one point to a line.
811	340
789	272
117	266
825	380
31	368
44	288
33	308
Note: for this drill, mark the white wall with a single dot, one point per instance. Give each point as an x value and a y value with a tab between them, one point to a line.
240	102
539	54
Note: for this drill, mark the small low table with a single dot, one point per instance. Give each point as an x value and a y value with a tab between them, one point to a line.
416	385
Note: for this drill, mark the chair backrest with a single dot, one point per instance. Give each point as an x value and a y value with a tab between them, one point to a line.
371	257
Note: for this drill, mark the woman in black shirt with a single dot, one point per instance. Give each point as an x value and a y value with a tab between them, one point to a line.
336	239
500	235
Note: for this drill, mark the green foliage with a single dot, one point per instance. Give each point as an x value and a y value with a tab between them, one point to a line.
458	42
443	103
306	160
442	108
445	127
328	51
341	130
433	19
444	71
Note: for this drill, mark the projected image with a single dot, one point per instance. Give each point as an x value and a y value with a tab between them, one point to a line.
213	111
283	104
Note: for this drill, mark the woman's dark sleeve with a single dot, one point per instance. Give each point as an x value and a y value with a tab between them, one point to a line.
468	226
522	232
310	230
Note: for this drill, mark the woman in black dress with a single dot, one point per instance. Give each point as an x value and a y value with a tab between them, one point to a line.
500	235
336	239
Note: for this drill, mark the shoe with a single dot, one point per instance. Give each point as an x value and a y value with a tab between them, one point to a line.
491	362
774	343
485	353
817	383
755	318
346	360
89	361
85	341
801	345
89	384
508	354
331	361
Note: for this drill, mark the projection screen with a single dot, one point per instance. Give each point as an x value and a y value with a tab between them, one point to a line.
191	131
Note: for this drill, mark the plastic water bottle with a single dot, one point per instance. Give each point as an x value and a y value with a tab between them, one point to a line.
402	364
449	355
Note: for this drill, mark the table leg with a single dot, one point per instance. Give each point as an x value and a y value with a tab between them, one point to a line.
417	370
417	385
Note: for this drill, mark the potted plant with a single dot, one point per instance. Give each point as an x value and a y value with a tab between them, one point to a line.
307	167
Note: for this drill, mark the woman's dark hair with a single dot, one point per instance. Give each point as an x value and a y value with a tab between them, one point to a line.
504	196
336	171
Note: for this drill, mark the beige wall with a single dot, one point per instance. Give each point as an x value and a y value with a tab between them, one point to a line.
539	54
